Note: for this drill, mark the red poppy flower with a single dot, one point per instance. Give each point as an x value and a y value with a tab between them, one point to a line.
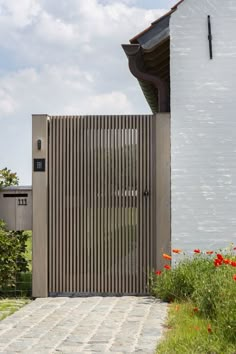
234	248
196	251
158	272
209	252
233	263
166	256
226	261
176	250
234	277
209	329
217	262
195	309
166	266
219	256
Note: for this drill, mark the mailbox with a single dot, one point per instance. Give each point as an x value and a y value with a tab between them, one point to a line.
16	207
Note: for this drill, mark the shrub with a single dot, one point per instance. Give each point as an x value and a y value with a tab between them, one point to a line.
8	178
180	283
215	297
209	282
12	259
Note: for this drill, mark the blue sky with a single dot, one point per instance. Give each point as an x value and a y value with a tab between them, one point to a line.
64	57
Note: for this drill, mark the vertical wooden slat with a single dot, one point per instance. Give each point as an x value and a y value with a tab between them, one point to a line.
55	211
105	234
140	205
74	179
116	201
109	203
82	202
85	250
129	209
125	207
99	206
67	242
122	225
59	170
112	201
50	209
103	248
70	204
92	205
144	202
57	269
54	253
119	206
95	181
77	214
135	201
63	204
57	235
133	207
88	219
148	198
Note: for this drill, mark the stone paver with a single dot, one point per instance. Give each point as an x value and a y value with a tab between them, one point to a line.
125	324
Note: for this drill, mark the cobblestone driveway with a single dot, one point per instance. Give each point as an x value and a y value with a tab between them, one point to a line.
83	325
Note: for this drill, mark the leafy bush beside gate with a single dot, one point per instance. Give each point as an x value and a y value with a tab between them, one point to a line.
12	256
15	251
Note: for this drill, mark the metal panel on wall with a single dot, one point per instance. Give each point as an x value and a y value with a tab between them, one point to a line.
99	214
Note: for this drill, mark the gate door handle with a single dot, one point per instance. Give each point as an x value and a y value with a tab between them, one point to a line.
146	193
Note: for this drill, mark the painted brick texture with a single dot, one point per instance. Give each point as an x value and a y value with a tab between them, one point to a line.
203	124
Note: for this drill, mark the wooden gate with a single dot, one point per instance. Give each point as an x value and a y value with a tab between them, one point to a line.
101	234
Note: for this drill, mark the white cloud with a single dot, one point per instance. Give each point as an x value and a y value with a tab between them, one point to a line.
58	90
109	103
20	13
7	104
64	57
54	30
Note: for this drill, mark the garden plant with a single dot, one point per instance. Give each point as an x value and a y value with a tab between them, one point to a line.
15	260
201	290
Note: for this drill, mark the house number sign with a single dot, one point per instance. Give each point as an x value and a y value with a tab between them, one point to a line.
22	201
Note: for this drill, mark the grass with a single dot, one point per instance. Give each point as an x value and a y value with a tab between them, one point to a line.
187	332
9	306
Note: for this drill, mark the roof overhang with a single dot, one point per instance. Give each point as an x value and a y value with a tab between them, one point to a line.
149	60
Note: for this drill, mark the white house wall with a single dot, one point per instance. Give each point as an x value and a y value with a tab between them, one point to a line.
203	124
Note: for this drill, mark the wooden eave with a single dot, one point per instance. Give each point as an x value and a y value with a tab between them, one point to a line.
155	44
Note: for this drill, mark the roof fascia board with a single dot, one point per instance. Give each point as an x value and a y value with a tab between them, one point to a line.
136	66
157	33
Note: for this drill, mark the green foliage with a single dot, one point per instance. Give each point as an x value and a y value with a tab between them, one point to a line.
180	282
215	295
12	258
8	178
209	283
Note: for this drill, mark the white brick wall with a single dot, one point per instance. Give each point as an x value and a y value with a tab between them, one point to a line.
203	124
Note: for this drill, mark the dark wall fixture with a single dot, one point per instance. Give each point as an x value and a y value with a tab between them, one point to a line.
210	36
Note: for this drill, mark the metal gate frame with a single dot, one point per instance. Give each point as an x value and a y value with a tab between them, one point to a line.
160	192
